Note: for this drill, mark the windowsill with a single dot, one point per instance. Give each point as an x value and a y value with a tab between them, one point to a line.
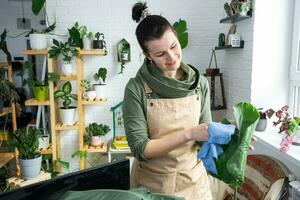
271	139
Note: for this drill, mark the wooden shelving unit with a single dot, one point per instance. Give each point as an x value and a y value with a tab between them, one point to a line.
34	102
56	125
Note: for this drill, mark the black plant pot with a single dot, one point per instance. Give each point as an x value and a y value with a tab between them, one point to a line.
261	125
98	44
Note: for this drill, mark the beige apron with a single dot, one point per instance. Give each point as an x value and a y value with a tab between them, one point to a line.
179	172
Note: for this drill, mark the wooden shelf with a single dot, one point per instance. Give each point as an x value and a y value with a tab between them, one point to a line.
34	102
234	18
46	151
61	127
68	78
99	52
5	158
230	47
95	102
92	149
6	111
4	65
34	52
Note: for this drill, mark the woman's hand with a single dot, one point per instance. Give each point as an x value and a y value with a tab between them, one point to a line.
198	133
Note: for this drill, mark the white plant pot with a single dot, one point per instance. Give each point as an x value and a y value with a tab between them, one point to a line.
38	41
31	168
96	141
66	69
68	116
89	95
100	91
87	43
44	141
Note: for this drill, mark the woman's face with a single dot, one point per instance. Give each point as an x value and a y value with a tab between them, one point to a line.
165	52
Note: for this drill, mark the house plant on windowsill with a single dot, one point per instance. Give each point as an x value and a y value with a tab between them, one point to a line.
94	132
67	51
263	121
288	125
26	141
67	112
100	88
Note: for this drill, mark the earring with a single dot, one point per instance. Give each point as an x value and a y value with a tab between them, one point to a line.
150	60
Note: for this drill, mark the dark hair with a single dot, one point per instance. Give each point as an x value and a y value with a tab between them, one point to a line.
150	28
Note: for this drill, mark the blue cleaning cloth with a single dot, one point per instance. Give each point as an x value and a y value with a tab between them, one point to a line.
217	134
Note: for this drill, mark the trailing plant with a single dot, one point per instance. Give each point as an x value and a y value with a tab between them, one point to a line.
26	141
48	29
182	34
67	51
3	46
101	74
65	94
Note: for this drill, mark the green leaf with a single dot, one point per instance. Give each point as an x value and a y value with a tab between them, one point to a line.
59	93
181	30
37	5
74	96
67	88
67	102
56	43
63	164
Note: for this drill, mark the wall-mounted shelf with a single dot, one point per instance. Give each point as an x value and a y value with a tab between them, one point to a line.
234	18
230	47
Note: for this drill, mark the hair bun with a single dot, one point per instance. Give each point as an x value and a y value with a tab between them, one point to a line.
137	11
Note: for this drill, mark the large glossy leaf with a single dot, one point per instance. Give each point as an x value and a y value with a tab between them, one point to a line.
181	30
231	164
67	88
37	6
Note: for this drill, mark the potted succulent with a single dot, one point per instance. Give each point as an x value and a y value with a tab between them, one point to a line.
38	39
67	51
99	43
94	132
26	141
88	93
67	112
100	88
263	121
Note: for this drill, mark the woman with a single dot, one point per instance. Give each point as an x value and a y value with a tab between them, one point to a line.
166	109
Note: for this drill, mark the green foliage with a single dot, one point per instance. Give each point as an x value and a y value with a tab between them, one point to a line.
86	84
54	77
37	6
182	34
31	81
3	46
76	34
99	36
26	142
8	91
65	94
95	129
67	51
48	29
80	154
101	74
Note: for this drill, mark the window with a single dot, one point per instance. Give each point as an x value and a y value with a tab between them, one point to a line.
295	64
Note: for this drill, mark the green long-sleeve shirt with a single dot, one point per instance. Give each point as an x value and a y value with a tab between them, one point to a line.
135	106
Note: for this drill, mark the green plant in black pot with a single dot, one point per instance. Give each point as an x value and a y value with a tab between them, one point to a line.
26	141
262	122
99	43
94	132
67	112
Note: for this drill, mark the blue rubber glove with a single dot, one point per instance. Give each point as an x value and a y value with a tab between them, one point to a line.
217	134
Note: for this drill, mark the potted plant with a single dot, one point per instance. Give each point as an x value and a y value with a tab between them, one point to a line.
100	88
289	126
94	132
26	141
88	93
67	112
99	43
262	122
67	51
38	39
